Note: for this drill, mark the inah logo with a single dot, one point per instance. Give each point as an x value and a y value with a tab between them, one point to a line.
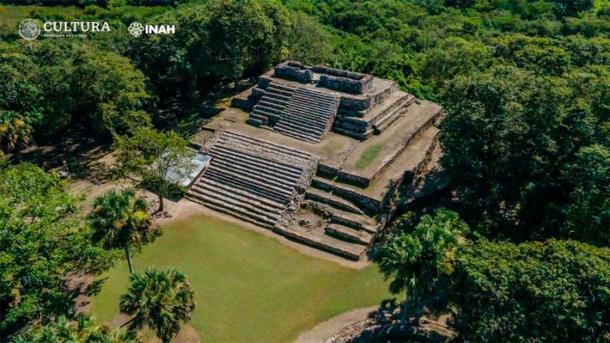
28	29
136	29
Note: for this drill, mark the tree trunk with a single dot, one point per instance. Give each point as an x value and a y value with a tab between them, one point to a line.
128	256
403	314
161	204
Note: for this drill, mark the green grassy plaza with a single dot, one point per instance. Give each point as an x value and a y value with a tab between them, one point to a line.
248	287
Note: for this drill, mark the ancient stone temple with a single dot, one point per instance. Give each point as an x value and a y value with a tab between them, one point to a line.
317	155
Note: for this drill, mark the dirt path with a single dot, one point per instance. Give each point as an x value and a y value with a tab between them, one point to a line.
323	331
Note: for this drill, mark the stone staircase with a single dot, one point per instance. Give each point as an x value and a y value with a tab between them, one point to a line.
363	125
270	107
251	179
308	115
349	230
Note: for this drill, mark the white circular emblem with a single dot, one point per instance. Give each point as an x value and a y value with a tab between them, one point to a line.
28	29
136	29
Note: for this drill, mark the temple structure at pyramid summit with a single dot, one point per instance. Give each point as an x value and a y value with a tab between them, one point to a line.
317	154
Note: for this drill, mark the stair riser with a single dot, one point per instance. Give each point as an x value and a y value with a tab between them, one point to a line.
248	168
292	169
232	213
233	201
267	193
282	149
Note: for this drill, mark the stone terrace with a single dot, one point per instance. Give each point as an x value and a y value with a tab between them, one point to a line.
263	161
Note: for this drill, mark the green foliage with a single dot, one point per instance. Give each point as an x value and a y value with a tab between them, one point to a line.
151	156
52	87
43	241
420	262
161	300
83	330
121	220
510	138
588	211
15	131
554	291
308	41
111	91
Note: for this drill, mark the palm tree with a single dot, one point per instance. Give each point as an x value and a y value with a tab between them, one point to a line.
162	300
82	330
121	220
419	261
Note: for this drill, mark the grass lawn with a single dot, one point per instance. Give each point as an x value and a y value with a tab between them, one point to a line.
369	155
249	287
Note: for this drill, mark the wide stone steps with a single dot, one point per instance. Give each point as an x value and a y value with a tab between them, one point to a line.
348	234
281	87
265	202
331	200
310	122
387	120
271	105
257	165
312	113
250	170
227	210
326	243
250	179
260	180
282	168
310	106
354	221
302	125
307	101
308	115
271	96
245	158
244	211
268	145
258	118
236	199
298	135
264	192
264	109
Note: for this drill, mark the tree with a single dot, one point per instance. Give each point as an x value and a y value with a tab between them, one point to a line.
588	213
419	262
509	136
243	38
15	131
43	240
154	157
121	220
83	330
162	300
110	91
307	40
553	291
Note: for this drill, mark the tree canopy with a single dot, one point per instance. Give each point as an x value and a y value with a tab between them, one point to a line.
161	300
554	291
37	220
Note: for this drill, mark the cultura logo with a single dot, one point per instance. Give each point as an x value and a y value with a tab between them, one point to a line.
135	29
28	29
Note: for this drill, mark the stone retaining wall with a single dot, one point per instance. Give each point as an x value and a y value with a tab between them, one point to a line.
293	71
